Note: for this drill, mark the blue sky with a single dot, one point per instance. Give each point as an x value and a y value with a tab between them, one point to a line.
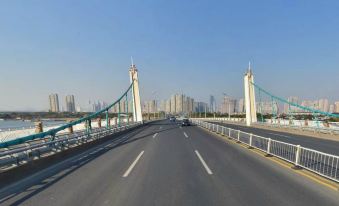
197	47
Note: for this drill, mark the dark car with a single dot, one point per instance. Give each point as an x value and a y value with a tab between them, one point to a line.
172	119
186	122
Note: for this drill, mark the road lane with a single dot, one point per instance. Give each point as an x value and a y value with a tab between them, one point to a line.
250	179
85	179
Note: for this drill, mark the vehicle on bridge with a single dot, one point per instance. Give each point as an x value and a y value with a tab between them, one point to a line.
185	122
172	119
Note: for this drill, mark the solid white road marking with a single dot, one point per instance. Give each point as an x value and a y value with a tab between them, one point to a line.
203	163
185	135
155	135
281	135
133	164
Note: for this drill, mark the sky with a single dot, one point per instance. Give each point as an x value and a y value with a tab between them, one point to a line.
195	47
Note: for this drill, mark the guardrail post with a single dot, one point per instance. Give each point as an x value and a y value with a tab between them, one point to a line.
229	133
269	147
38	127
99	122
238	140
297	157
107	120
251	139
70	128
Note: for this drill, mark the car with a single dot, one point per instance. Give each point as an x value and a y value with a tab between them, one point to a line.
172	119
185	122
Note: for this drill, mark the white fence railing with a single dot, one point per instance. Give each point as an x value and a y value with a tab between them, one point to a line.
334	130
326	165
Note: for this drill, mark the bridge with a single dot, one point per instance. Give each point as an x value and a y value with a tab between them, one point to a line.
126	160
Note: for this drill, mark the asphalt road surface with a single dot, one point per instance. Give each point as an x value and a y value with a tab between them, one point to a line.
164	164
323	145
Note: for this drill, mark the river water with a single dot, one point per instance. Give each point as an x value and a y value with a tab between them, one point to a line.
19	124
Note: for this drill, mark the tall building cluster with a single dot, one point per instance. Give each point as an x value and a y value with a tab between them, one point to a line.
176	104
229	105
320	104
125	107
69	104
267	107
182	104
97	106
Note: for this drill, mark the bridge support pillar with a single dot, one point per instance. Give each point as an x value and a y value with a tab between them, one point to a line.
38	127
250	104
99	122
70	129
133	73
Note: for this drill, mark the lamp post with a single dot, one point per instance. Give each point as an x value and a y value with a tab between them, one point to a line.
155	103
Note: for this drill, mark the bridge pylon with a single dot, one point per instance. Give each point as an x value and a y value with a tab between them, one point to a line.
250	104
133	73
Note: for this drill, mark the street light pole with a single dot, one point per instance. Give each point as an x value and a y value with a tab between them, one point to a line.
155	103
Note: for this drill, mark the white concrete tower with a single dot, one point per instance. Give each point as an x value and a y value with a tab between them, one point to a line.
133	74
250	104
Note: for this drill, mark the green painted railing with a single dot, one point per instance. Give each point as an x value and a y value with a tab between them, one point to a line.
313	111
53	132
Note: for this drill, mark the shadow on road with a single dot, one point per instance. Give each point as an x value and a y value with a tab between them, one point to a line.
49	178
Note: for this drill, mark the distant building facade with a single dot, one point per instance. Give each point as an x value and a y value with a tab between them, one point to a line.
336	107
54	103
70	103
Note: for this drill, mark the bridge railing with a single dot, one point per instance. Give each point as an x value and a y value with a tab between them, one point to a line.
302	128
324	130
22	153
323	164
87	119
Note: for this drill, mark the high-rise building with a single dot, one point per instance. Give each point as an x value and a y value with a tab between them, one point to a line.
331	108
162	107
78	109
336	107
53	103
323	105
168	106
179	103
190	105
201	107
70	104
173	105
241	106
212	103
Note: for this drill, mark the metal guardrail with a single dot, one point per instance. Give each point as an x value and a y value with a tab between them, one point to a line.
323	164
275	125
54	132
302	128
31	150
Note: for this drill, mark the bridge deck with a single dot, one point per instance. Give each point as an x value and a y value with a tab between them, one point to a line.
163	164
